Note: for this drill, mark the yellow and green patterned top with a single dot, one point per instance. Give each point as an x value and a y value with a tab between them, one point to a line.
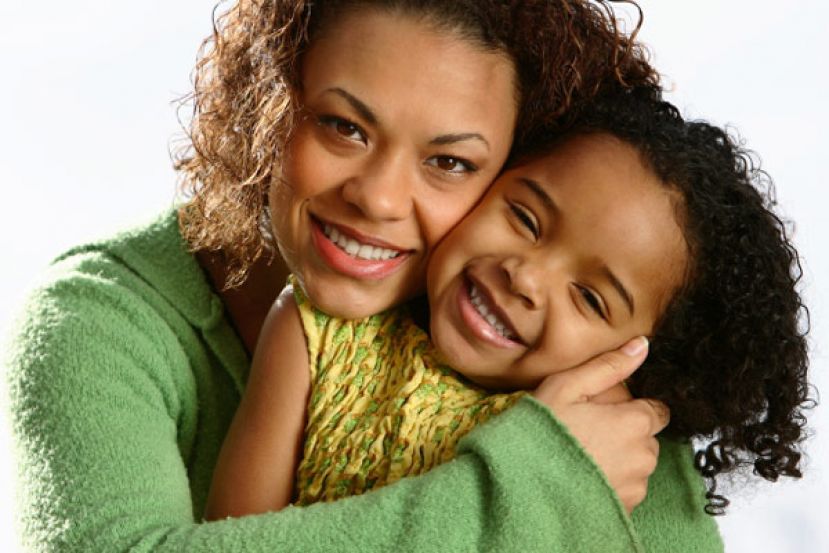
382	406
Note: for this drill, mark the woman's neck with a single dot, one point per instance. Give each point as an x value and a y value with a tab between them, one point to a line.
247	305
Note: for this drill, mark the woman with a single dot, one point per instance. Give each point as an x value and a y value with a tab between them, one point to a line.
129	368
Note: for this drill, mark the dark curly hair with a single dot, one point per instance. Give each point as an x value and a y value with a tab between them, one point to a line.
729	354
246	84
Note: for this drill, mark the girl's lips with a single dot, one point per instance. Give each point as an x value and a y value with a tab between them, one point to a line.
340	261
479	326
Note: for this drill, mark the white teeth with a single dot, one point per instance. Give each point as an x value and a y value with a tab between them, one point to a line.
352	247
483	309
355	248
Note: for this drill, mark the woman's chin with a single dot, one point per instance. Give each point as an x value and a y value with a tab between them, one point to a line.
347	300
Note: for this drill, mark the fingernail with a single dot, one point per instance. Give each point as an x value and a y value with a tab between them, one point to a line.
635	346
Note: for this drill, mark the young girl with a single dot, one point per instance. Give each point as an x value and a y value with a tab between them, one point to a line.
633	223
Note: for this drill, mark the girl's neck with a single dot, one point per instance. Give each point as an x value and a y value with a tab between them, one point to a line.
247	305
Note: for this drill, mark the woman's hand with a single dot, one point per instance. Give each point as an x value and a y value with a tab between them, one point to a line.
615	429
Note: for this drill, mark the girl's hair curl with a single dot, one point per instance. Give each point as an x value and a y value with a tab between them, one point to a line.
729	355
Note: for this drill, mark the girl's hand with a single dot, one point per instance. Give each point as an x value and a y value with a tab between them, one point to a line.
615	429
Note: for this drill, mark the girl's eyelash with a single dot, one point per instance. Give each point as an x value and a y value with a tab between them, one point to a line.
591	299
525	218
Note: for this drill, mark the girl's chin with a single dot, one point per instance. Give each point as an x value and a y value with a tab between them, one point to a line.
462	355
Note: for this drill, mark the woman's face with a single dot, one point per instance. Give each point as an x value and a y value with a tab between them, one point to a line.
403	129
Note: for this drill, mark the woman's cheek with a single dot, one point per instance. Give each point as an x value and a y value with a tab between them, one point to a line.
447	211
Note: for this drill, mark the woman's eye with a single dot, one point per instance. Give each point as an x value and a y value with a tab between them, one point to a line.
526	219
453	165
592	301
344	128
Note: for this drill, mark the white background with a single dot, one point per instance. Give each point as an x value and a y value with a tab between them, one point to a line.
86	120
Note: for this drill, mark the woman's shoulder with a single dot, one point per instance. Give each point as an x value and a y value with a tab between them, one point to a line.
135	309
140	289
147	263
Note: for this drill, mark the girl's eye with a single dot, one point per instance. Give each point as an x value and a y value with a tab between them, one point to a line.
343	127
526	218
593	301
453	165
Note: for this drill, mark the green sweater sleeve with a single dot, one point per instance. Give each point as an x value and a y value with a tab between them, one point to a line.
120	402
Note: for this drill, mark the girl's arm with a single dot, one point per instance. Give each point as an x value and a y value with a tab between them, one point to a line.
256	467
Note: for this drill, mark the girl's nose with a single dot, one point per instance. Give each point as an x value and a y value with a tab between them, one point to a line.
382	190
526	280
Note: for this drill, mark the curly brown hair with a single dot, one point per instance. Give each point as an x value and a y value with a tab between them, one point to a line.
246	93
729	356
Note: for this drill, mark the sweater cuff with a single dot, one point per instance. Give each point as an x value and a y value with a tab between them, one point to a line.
529	445
530	430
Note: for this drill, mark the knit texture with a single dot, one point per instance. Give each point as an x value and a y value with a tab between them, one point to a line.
383	405
124	374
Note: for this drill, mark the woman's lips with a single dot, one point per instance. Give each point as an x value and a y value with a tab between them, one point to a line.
344	263
480	327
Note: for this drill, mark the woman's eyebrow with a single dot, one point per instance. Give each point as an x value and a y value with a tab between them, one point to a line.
358	105
372	119
458	137
619	287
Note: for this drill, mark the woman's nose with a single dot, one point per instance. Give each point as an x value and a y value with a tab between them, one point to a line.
526	280
383	189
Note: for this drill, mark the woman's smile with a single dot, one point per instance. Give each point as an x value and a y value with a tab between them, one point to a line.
347	251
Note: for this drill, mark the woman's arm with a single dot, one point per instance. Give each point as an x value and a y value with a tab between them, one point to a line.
256	467
619	433
113	402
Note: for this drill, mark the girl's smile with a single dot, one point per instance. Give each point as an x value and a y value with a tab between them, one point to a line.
484	317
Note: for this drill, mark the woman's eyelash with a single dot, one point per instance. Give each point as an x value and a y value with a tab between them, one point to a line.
525	218
343	127
452	164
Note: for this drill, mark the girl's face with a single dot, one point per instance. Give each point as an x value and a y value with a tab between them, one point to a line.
403	129
566	257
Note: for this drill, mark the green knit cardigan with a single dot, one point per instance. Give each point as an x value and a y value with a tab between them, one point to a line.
124	373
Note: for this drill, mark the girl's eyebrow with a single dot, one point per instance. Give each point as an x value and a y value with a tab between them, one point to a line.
619	287
539	191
